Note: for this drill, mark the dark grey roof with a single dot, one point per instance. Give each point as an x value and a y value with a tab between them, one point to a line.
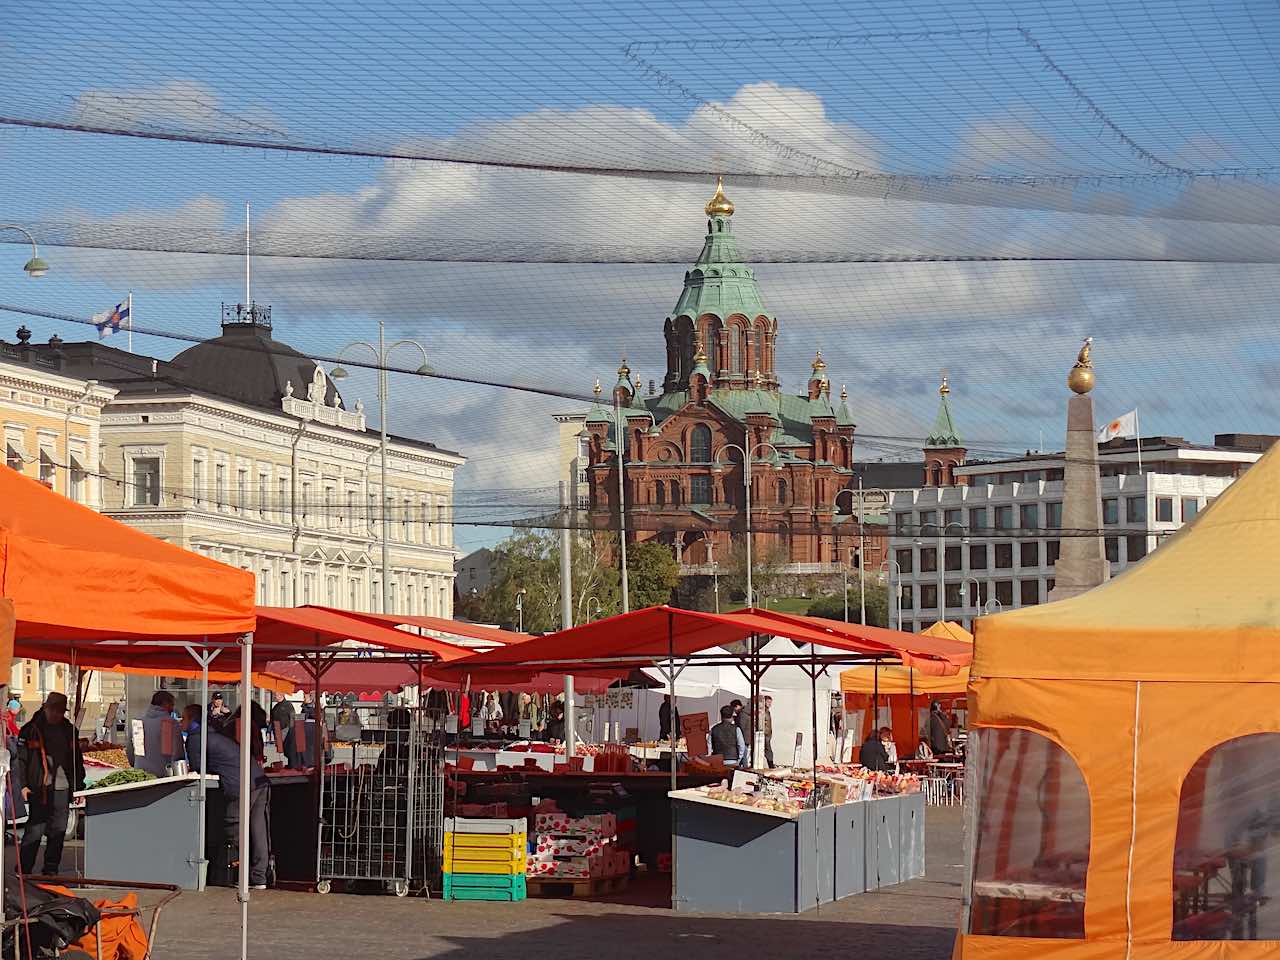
245	364
890	475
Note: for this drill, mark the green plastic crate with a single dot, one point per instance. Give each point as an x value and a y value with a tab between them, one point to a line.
485	886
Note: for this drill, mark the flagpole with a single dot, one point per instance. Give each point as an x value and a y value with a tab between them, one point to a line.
246	254
131	321
1137	428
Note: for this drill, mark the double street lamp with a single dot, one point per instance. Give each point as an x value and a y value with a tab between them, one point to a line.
747	455
36	266
380	354
520	608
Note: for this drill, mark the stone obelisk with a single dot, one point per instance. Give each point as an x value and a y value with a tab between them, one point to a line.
1082	560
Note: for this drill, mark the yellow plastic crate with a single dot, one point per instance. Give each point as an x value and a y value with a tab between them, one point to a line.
486	841
487	854
513	866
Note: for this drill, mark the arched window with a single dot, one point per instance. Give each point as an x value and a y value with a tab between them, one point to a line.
1031	843
700	444
782	491
741	364
660	493
675	493
1226	843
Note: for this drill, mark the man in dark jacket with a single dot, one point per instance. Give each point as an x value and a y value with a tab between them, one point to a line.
727	739
939	741
873	755
668	718
49	770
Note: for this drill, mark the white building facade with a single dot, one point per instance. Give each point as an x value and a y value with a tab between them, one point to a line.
991	542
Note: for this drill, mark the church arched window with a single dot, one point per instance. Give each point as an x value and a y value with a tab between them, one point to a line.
700	444
741	365
660	493
782	491
675	493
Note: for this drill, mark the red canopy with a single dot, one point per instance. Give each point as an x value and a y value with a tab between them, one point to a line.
351	676
455	628
643	637
73	573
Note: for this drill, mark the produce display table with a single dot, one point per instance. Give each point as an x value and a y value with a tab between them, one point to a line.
493	759
812	856
145	832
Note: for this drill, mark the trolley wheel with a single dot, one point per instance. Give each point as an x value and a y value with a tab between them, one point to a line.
324	886
400	888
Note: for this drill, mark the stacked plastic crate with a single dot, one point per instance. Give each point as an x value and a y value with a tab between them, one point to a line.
485	859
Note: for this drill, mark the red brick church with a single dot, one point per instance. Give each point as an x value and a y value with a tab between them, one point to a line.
721	395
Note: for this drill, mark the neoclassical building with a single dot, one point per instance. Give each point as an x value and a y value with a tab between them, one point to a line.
684	481
51	423
242	449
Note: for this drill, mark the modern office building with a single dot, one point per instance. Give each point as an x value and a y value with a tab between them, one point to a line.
990	539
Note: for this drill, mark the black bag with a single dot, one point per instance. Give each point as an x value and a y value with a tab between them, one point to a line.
55	920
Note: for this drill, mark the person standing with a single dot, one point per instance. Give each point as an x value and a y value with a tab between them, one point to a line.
939	741
282	711
890	748
11	714
668	718
766	727
218	711
259	790
49	770
157	726
873	755
727	740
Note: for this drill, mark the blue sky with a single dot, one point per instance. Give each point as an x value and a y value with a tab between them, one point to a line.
1129	94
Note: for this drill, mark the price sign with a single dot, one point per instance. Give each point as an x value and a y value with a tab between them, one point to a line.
477	727
694	728
526	729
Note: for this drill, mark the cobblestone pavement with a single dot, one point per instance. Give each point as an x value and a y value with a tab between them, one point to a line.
912	920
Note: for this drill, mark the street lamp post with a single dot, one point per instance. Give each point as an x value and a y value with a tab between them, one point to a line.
520	608
977	592
942	560
590	601
889	566
746	483
380	353
862	577
36	266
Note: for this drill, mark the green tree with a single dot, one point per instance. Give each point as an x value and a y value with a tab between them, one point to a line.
768	573
530	560
877	595
652	573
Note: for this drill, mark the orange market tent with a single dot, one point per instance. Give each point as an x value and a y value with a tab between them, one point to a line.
903	693
72	572
453	628
1124	753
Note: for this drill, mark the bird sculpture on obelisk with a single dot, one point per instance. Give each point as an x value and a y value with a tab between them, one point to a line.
1082	560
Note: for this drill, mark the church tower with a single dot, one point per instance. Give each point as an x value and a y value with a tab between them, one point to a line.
943	449
721	308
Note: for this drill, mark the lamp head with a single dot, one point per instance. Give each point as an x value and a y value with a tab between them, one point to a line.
423	371
36	267
338	373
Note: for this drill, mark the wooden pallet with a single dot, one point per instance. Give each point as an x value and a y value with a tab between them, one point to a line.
561	887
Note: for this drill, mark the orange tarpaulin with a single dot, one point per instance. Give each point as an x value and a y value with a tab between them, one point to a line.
120	929
72	572
6	636
1090	722
269	680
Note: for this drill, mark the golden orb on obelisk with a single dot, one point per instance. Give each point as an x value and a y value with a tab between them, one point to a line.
1080	379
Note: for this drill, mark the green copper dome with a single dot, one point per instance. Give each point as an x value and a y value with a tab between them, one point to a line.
944	433
720	282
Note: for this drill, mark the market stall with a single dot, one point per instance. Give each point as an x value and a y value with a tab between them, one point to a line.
672	641
898	697
1124	754
843	833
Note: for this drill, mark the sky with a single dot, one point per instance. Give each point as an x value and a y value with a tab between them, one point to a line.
921	187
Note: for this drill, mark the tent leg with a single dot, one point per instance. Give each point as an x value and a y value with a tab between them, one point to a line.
671	689
246	785
204	657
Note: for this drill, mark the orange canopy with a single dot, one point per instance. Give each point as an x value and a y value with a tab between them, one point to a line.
281	633
71	572
643	637
1095	723
267	680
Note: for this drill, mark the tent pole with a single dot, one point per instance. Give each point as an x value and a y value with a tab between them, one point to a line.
671	688
204	658
246	785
